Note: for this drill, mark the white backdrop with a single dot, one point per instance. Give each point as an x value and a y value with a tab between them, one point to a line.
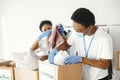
19	19
114	31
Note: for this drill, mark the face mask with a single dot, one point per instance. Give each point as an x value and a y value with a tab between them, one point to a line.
79	34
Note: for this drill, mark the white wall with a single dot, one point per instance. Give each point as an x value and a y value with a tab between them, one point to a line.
1	45
19	19
114	31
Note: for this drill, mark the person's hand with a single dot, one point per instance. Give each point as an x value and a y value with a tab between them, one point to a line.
73	59
44	34
60	29
51	55
44	57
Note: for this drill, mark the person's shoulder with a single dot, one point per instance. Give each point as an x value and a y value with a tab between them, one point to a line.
102	34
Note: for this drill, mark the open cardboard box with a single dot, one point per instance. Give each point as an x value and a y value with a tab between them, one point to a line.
21	74
6	70
49	71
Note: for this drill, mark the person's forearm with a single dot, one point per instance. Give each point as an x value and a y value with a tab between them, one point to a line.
44	57
35	45
102	63
63	46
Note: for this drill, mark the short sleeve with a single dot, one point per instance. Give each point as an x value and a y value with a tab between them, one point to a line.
71	41
106	48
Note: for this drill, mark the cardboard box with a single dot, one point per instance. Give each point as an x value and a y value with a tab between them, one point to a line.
65	72
4	62
118	60
26	74
6	70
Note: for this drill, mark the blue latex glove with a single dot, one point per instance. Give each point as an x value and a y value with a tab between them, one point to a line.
51	55
44	34
61	29
73	59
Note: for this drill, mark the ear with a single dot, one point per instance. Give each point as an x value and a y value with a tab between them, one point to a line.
91	30
86	31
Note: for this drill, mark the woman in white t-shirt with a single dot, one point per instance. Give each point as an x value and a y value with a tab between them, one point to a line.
93	45
45	25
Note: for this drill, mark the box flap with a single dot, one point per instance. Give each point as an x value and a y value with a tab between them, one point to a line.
4	62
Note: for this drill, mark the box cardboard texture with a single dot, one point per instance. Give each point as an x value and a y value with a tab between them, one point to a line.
6	70
4	62
65	72
26	74
118	60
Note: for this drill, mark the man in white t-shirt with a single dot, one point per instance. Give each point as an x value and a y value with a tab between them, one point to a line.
93	46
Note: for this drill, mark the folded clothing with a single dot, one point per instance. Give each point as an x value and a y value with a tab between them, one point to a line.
60	57
30	61
18	57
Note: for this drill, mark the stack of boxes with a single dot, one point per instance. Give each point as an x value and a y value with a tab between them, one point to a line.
46	71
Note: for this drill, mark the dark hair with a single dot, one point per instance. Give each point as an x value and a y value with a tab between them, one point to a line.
84	17
43	23
65	32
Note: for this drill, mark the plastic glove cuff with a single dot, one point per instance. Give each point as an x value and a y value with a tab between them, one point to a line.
80	59
55	51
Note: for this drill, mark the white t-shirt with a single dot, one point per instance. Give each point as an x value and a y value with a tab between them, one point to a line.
43	46
101	47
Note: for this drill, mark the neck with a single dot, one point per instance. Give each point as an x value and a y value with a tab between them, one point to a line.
90	30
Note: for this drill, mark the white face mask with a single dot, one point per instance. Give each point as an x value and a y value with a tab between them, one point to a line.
79	34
